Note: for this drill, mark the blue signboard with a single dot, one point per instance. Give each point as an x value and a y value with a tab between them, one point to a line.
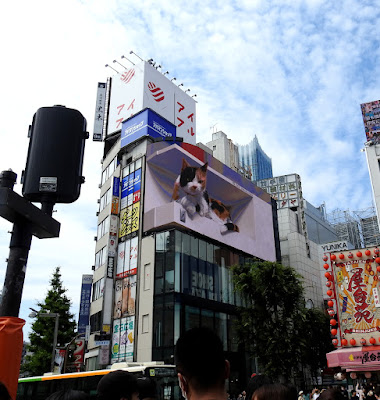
116	187
85	300
146	123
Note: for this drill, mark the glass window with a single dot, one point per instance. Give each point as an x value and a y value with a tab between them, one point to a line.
202	250
158	319
207	319
221	328
192	317
168	334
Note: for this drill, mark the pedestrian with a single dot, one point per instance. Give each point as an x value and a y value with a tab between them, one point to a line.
315	393
201	366
118	385
244	395
354	395
301	395
273	391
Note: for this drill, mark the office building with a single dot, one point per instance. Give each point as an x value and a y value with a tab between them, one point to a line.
162	266
253	158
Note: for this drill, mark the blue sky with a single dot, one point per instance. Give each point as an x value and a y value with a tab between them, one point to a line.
292	72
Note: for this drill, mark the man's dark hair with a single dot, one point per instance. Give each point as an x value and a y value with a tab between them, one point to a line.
200	359
147	388
255	382
117	384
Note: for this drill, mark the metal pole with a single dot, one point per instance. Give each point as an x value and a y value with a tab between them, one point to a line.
55	341
18	255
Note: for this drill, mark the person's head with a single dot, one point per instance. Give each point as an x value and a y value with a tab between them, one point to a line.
255	382
200	361
331	394
273	391
68	395
146	388
118	385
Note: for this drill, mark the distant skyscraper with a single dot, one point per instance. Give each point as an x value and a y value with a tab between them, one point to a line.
253	158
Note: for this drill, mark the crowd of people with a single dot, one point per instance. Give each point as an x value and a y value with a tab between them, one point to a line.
202	373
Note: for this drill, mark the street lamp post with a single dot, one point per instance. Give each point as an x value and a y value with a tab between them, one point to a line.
35	313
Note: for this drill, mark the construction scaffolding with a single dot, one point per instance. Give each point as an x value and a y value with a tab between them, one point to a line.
360	228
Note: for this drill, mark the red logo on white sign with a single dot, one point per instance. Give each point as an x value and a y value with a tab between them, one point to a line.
157	92
127	75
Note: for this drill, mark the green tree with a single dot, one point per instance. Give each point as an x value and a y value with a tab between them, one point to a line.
318	340
42	335
274	318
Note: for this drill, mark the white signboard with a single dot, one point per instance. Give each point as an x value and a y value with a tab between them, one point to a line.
143	86
99	112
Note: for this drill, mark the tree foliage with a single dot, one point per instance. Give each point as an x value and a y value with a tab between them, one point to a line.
275	323
42	335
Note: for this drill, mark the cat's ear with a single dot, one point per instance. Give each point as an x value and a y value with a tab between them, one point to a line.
204	167
185	164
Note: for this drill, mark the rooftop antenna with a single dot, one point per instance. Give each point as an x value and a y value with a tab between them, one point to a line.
107	65
173	79
128	60
166	72
213	127
119	64
132	52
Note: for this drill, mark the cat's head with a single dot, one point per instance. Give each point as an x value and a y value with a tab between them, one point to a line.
193	179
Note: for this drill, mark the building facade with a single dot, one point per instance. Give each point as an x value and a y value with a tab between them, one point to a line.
162	266
224	150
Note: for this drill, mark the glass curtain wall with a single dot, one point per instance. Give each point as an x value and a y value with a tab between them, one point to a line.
193	287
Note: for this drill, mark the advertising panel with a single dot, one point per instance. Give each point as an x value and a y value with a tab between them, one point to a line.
115	349
126	98
185	116
355	293
125	296
85	300
371	119
286	189
99	112
159	93
122	339
145	123
205	196
143	86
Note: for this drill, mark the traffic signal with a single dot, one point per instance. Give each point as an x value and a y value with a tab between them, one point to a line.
54	165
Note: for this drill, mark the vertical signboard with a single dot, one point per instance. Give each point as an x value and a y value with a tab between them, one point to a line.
85	300
115	341
356	294
99	112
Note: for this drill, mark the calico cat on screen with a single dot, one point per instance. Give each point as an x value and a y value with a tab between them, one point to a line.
192	180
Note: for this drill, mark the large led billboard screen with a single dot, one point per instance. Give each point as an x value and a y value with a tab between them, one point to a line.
193	190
